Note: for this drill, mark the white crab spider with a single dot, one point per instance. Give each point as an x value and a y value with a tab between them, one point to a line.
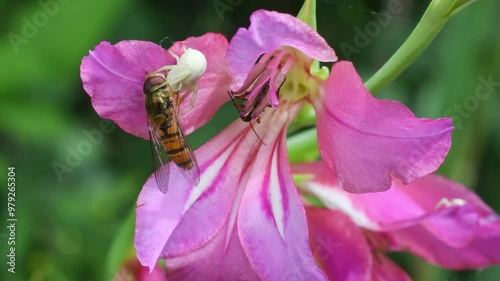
184	75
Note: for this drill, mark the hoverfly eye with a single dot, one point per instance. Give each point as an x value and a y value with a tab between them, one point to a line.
152	82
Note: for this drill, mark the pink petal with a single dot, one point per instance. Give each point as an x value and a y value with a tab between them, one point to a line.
192	226
187	217
402	205
464	233
367	141
339	245
113	76
375	211
221	258
267	32
271	221
384	269
157	216
439	220
483	249
214	201
195	213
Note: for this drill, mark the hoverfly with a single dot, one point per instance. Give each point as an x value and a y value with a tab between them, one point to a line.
166	133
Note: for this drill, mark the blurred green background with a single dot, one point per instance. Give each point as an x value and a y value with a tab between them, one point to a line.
65	227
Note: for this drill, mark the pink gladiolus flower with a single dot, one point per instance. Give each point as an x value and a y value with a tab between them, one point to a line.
113	76
437	219
245	220
364	140
368	141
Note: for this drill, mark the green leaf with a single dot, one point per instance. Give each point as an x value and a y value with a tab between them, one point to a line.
122	248
308	13
303	147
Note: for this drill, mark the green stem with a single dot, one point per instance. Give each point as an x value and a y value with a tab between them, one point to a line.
433	20
122	247
303	147
305	118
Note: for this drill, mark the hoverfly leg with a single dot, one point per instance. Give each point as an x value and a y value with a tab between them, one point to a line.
165	69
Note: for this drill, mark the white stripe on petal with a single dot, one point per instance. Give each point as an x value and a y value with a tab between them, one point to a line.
336	199
209	176
276	196
236	205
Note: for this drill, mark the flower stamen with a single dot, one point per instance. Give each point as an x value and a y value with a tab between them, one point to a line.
262	86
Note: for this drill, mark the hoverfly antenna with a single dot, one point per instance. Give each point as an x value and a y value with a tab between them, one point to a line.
251	126
166	38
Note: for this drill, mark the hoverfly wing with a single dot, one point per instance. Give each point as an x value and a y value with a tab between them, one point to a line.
160	158
190	169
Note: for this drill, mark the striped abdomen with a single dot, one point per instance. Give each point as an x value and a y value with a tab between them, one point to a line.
175	142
